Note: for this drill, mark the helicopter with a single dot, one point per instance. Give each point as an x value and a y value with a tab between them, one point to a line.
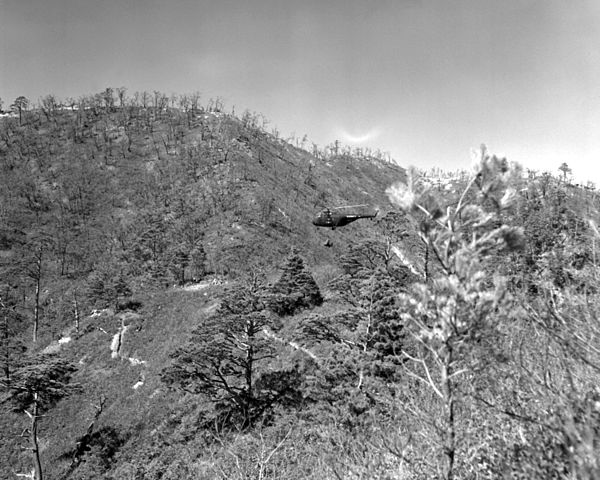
329	218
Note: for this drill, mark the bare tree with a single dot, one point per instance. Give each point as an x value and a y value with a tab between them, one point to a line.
565	170
121	91
20	105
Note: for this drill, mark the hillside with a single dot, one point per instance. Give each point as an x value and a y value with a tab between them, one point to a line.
96	191
241	182
170	310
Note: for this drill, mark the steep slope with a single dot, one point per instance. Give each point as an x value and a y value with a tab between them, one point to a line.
279	188
105	208
456	337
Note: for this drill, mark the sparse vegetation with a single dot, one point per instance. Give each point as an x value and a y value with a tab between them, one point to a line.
454	337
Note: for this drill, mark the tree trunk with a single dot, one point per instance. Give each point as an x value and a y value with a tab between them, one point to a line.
38	281
7	348
63	259
449	433
366	342
426	266
37	463
76	305
249	356
248	374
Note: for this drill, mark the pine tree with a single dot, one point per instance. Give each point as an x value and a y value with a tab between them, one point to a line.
296	288
223	360
34	388
107	285
453	318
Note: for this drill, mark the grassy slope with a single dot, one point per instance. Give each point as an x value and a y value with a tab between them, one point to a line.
163	323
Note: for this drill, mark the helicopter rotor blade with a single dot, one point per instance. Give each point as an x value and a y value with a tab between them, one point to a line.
350	206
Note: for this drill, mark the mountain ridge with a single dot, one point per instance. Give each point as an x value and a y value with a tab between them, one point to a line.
169	310
108	189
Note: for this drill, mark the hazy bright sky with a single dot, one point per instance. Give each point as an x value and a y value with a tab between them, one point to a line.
426	80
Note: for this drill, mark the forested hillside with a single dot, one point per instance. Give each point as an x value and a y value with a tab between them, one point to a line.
169	310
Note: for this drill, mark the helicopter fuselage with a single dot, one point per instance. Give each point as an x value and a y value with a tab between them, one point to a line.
332	220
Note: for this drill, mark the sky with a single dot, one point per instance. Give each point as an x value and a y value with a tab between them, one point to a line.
426	80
